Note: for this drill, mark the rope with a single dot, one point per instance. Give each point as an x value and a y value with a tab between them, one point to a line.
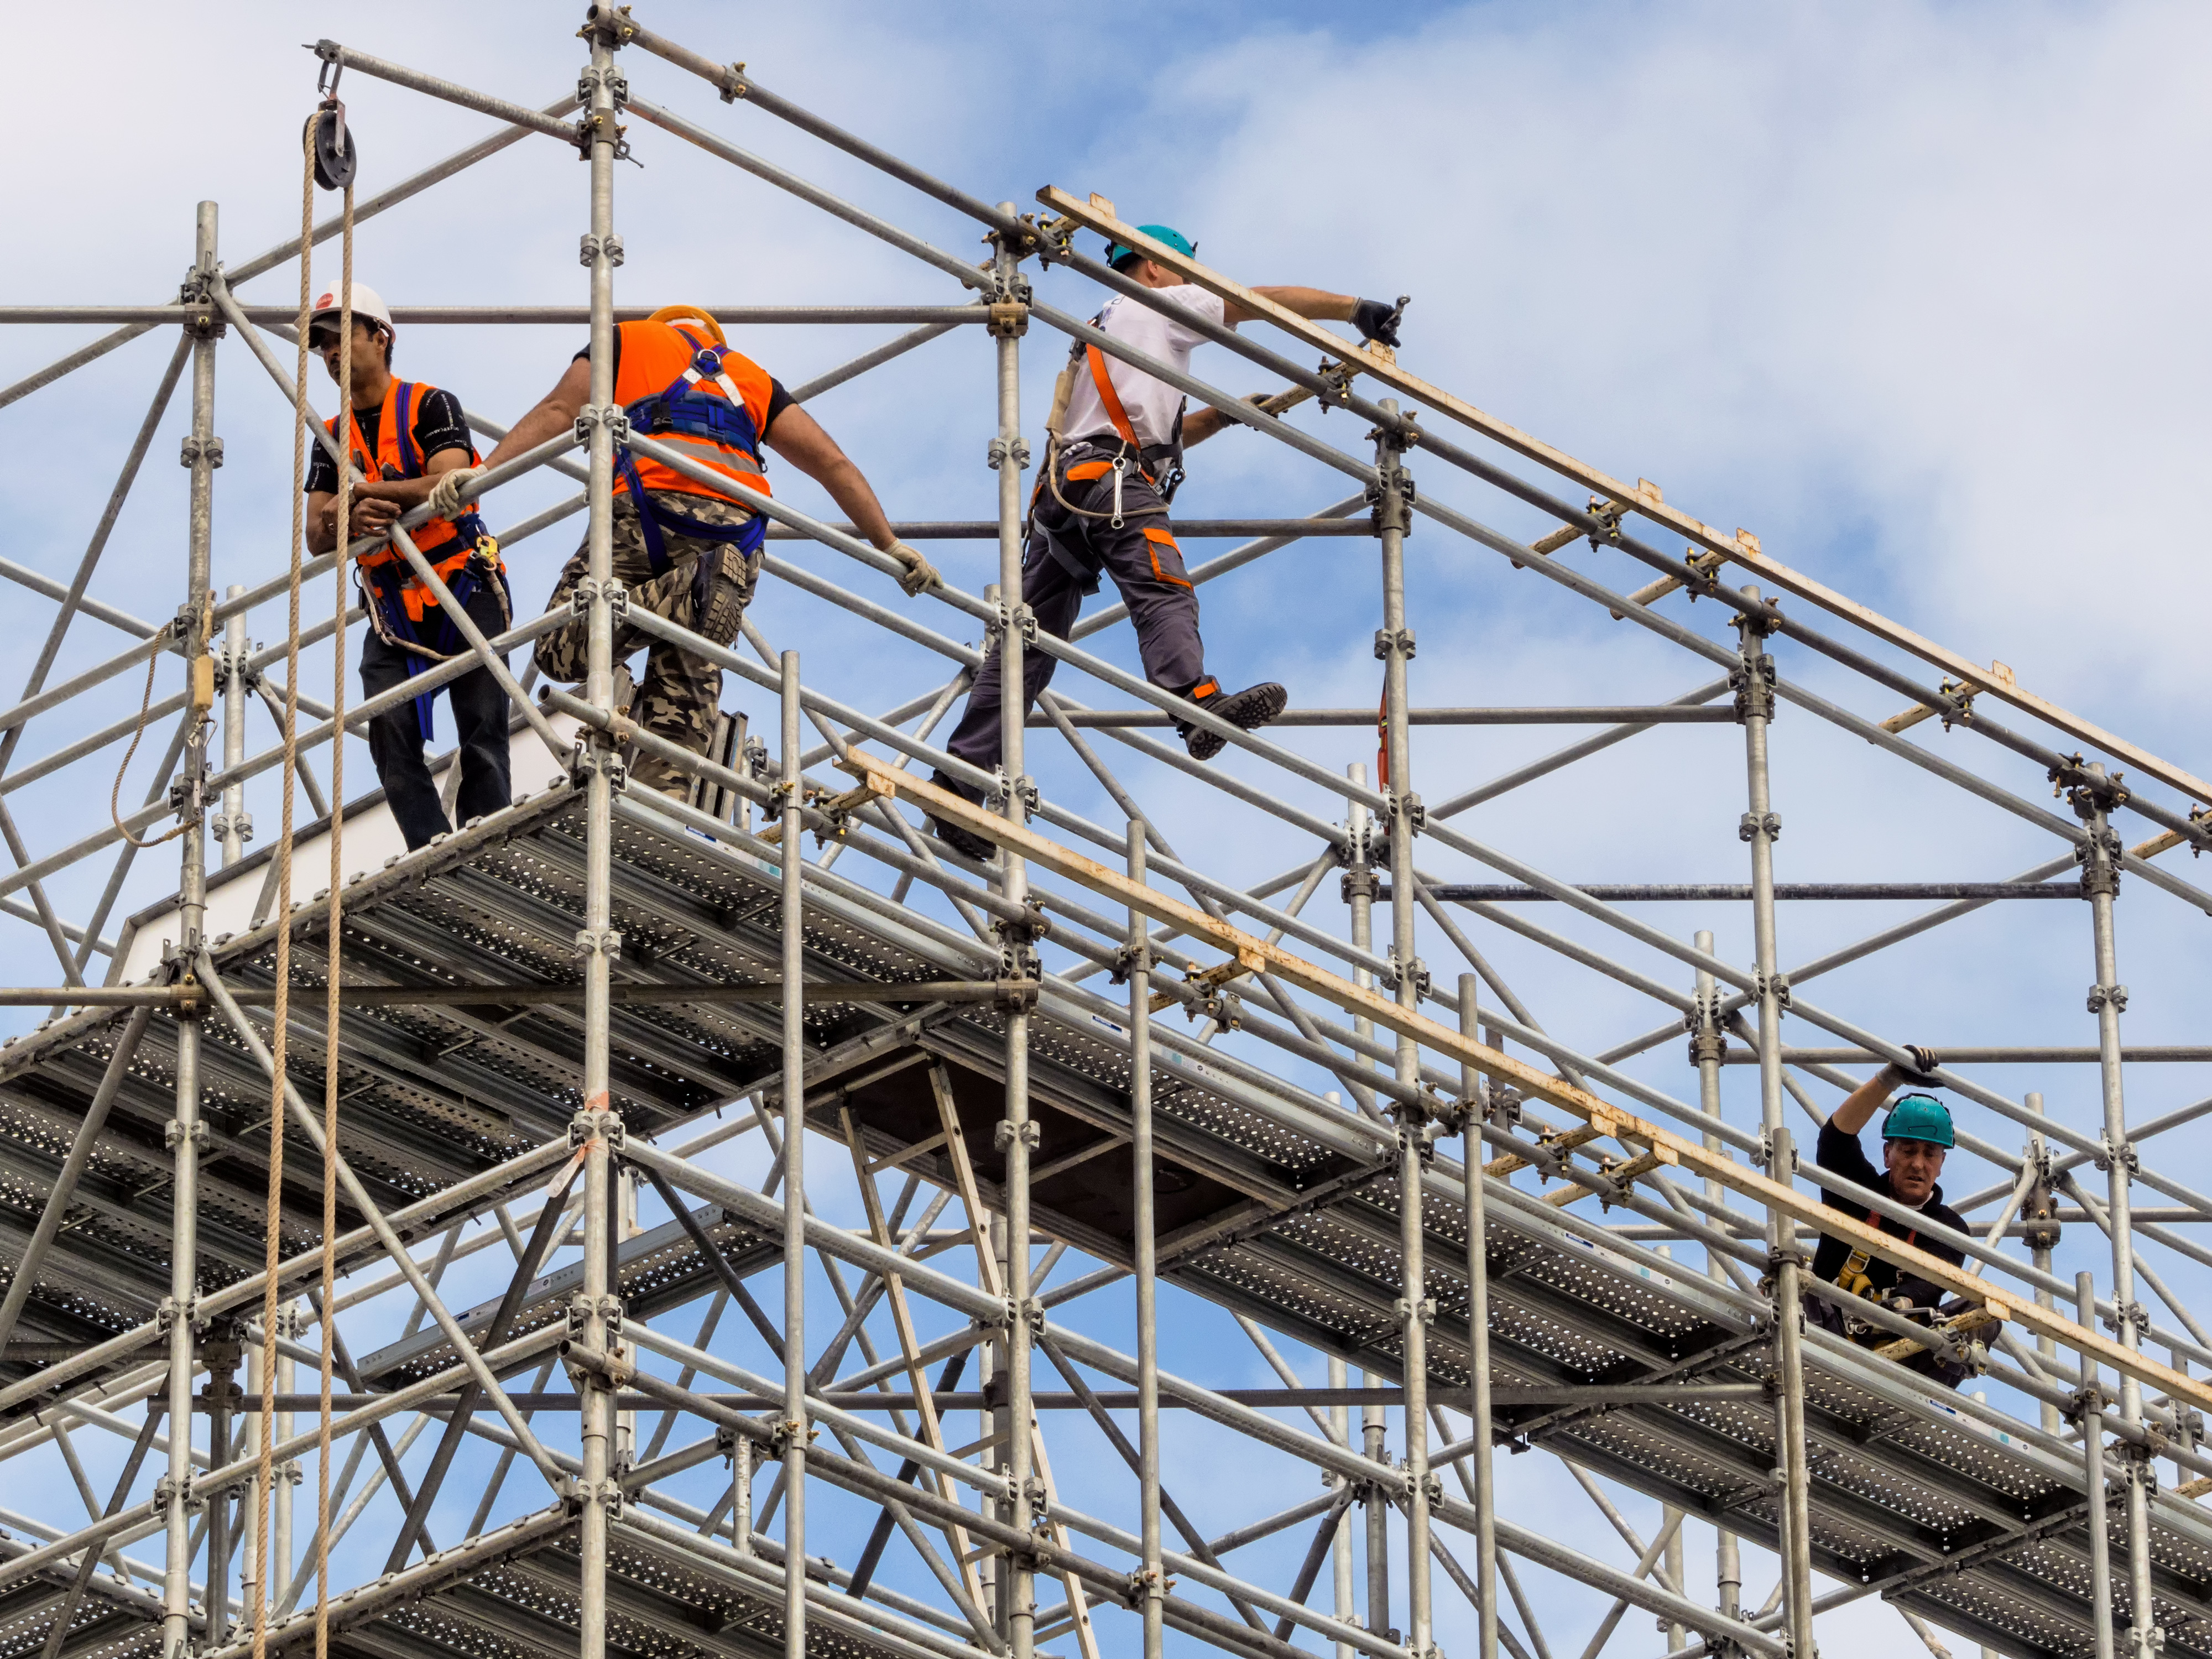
272	1239
332	976
115	795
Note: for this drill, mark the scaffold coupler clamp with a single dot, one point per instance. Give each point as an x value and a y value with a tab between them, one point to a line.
2115	994
589	247
1132	959
1752	680
598	941
1018	939
1392	974
583	1309
609	415
168	1488
1605	514
1752	825
1145	1584
1501	1109
600	1123
166	1313
1391	498
1005	1132
577	1494
784	1434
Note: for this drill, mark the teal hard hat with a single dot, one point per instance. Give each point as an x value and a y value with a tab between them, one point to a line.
1117	252
1920	1117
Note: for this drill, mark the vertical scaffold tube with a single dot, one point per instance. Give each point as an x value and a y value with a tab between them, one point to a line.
1477	1336
2040	1212
1360	884
2093	796
2093	1468
1754	705
1018	1135
186	1131
1706	1041
1394	517
233	826
795	1431
1146	1251
599	1122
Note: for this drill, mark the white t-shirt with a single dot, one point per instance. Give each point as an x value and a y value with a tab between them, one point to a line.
1149	404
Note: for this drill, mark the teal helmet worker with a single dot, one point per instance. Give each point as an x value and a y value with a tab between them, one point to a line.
1113	451
1915	1140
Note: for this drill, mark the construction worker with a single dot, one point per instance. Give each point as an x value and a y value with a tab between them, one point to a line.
1914	1141
1113	457
685	551
404	437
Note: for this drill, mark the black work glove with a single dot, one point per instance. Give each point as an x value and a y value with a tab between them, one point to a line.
1377	321
1927	1059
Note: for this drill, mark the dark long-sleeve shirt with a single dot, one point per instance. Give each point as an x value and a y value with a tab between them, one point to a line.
1841	1154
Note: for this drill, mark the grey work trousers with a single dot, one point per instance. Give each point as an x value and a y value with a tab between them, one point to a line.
1146	566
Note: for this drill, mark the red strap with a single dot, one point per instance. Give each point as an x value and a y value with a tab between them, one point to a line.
1108	397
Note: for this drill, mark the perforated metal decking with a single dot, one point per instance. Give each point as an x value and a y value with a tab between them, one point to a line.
1266	1207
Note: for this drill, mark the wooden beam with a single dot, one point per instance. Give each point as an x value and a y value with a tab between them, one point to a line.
1382	365
1602	1116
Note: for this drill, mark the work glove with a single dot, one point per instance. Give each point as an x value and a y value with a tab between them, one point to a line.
1925	1060
1377	321
920	576
453	489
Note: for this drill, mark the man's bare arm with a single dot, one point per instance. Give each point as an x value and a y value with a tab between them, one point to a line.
1317	305
798	437
556	414
1862	1103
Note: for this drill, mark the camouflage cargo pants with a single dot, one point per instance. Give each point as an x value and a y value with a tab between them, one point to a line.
679	693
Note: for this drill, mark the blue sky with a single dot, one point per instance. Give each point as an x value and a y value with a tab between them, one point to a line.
1913	293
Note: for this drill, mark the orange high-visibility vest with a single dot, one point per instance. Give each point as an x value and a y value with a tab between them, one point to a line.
662	369
394	446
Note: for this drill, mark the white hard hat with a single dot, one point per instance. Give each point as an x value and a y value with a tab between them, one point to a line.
366	302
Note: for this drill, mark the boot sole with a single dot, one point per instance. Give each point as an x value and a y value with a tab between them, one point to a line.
1246	716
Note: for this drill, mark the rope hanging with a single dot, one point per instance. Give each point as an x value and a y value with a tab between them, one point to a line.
324	128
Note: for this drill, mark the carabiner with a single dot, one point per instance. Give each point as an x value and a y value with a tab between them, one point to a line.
1121	466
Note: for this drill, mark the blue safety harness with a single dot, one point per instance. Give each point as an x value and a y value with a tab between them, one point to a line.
682	408
384	585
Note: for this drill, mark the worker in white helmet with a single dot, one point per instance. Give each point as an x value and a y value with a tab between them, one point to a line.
402	436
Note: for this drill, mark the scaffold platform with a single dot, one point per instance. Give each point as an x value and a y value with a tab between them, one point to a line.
1273	1203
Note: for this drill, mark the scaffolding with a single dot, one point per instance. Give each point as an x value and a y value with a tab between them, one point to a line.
535	1025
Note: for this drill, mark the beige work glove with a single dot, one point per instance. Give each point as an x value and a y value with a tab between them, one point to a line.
920	574
453	489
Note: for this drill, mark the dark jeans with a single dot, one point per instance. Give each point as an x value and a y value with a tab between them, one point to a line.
1147	568
396	738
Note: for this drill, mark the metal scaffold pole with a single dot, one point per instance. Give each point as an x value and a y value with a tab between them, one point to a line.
1474	1102
2098	1486
1018	1135
2091	795
598	1126
203	452
1395	645
233	826
1755	681
1707	1042
1139	964
791	919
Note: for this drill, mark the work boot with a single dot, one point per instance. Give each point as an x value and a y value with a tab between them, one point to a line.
1248	710
965	842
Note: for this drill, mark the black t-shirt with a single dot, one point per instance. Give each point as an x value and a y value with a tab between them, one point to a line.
439	424
778	399
1841	1154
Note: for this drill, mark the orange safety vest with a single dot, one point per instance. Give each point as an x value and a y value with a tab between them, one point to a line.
664	368
394	448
